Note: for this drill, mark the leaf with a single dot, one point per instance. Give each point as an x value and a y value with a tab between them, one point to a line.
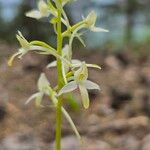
68	88
85	96
90	85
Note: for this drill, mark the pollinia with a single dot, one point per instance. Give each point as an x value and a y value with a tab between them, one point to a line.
71	73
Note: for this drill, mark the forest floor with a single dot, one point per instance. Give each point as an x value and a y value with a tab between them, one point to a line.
118	117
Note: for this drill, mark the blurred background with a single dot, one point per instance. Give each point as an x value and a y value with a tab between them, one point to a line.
118	118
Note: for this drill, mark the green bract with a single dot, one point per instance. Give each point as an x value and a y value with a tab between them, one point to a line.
71	73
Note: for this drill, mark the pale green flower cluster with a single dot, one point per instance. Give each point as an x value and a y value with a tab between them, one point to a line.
75	72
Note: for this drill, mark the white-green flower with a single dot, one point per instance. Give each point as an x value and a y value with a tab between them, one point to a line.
43	11
80	81
43	89
37	46
91	21
75	63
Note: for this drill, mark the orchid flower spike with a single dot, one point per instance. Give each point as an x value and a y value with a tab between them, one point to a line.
43	89
91	21
80	81
42	11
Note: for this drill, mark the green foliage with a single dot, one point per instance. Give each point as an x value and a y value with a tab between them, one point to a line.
72	73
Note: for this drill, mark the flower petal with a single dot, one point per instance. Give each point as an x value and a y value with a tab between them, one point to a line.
93	66
38	99
34	14
43	8
32	97
68	88
85	96
43	84
97	29
90	85
76	61
10	61
91	19
23	42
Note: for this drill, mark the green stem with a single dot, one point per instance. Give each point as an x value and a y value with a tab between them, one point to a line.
60	76
59	47
58	124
